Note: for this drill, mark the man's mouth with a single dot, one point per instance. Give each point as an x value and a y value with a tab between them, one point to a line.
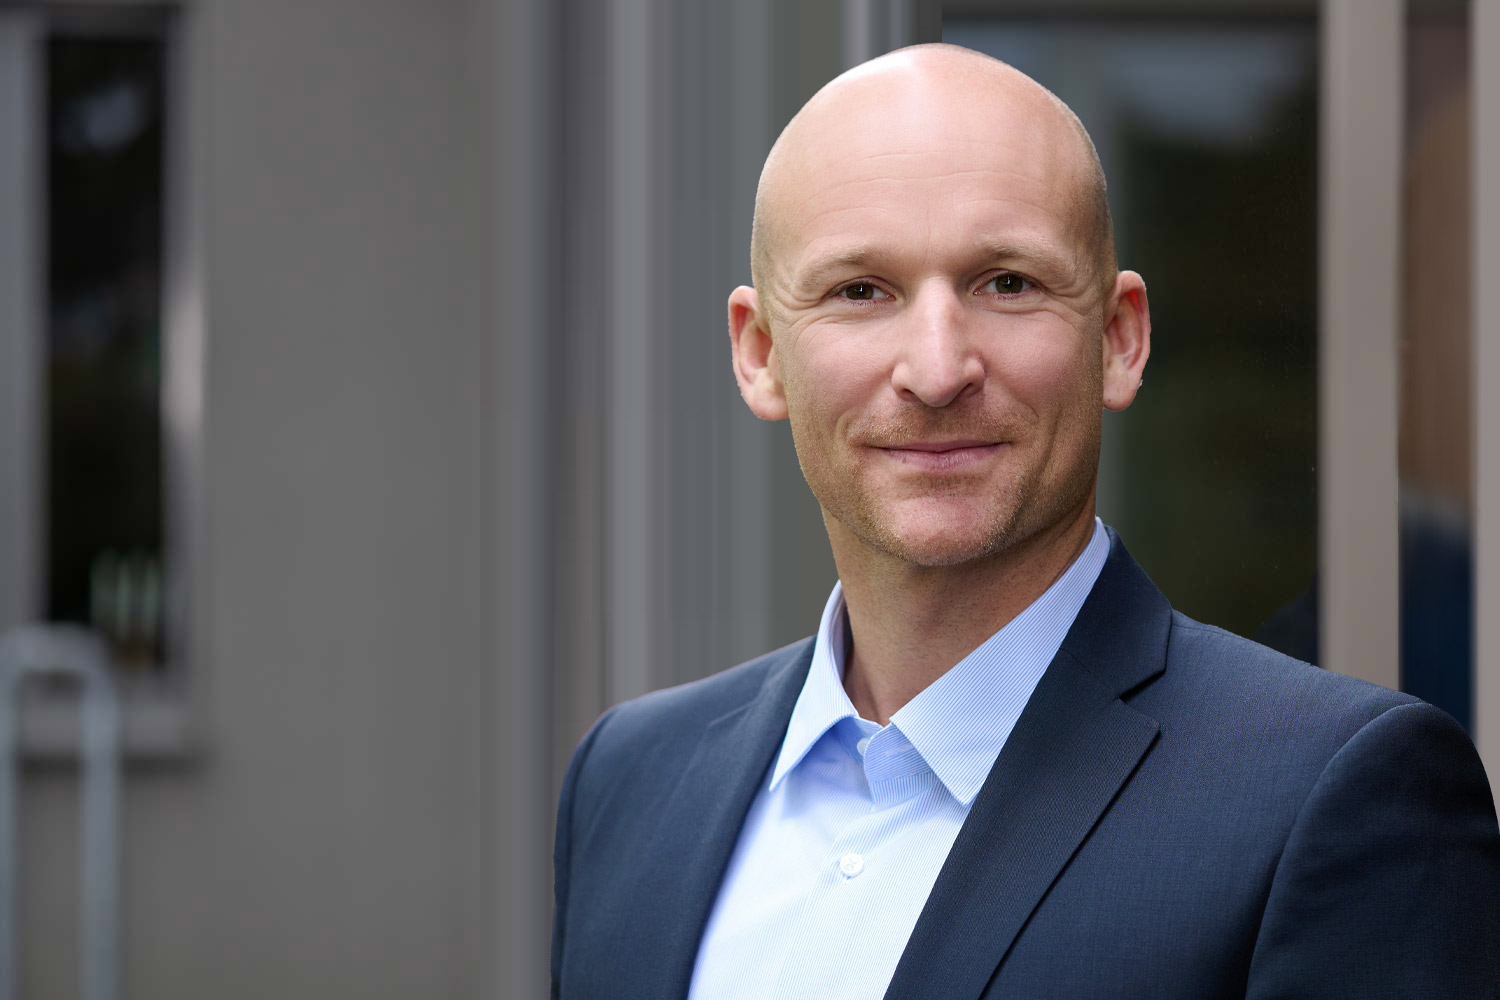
943	456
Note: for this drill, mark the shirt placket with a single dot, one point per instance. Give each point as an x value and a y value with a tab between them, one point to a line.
854	877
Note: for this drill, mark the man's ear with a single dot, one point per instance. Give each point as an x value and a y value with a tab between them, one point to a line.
1127	340
754	356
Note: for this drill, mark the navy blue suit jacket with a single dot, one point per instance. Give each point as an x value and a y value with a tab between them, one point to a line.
1179	813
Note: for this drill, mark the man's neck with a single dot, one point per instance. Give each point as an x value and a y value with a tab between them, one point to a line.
911	624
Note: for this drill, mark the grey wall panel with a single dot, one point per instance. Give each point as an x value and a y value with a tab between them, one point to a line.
515	55
1486	124
20	291
324	845
1359	310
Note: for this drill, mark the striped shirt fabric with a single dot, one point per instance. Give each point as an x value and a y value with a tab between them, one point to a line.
853	822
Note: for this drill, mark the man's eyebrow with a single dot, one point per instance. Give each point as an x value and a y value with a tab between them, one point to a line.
812	275
1043	253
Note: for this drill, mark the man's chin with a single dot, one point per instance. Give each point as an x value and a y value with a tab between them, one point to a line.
937	546
938	555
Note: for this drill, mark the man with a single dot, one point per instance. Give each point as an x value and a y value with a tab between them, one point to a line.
1003	767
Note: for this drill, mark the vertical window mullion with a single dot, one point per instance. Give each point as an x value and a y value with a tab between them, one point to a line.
1485	35
21	253
1360	201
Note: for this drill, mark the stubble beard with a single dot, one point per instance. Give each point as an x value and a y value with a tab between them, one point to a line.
1019	508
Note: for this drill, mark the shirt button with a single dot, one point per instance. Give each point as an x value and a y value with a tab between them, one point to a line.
862	746
851	865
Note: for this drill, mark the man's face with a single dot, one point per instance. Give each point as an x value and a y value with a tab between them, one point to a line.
937	318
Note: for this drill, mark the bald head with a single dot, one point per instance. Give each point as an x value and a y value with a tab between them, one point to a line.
931	95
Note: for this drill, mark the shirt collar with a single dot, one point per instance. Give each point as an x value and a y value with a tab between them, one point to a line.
960	722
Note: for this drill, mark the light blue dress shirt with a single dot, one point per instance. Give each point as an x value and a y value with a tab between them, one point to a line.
847	834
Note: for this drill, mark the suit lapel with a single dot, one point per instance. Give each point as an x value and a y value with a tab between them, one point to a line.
1072	749
701	823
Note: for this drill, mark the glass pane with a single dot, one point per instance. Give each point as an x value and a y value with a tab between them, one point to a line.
1207	130
1437	593
105	114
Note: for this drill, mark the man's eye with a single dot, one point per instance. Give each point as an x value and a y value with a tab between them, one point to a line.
1010	284
862	291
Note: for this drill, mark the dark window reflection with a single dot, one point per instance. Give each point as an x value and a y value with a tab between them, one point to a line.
104	174
1437	566
1208	134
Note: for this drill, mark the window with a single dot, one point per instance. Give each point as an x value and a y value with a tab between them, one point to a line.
1436	356
100	537
104	168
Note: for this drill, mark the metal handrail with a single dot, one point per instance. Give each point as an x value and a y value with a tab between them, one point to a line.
73	651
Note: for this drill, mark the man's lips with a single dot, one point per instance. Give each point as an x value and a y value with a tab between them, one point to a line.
943	456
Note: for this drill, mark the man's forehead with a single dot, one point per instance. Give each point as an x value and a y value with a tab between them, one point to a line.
963	197
867	173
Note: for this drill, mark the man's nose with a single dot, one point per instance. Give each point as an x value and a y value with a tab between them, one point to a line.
938	360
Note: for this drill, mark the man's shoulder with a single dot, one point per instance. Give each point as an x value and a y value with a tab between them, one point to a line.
1231	688
636	753
684	711
1225	658
1212	686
